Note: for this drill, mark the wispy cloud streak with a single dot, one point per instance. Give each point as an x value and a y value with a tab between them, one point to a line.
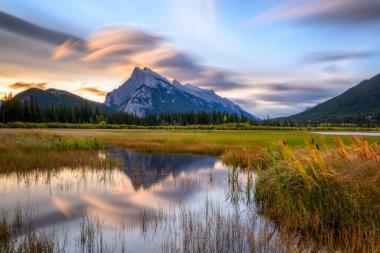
346	12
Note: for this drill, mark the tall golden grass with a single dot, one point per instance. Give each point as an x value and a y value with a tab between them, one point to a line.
331	197
31	150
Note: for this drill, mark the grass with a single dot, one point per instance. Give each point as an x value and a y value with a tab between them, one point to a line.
322	189
19	235
329	196
22	151
209	142
227	126
213	228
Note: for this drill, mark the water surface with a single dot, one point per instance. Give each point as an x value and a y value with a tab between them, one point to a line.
348	133
143	207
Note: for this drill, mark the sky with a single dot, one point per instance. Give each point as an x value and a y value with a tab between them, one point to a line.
274	58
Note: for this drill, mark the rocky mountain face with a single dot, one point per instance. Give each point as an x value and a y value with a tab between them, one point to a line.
146	92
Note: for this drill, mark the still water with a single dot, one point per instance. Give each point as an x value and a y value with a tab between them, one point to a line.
349	133
154	203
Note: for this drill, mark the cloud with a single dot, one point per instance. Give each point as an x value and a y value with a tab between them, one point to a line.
65	49
281	98
348	12
116	43
293	94
218	79
178	60
24	85
332	68
26	29
111	35
247	103
296	97
334	56
111	53
183	66
107	56
121	48
280	87
94	91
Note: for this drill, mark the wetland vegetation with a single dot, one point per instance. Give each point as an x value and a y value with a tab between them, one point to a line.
269	191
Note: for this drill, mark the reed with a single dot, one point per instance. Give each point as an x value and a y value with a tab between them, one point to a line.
244	158
20	235
331	197
216	229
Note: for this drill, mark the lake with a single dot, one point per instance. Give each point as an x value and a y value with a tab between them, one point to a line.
348	133
153	203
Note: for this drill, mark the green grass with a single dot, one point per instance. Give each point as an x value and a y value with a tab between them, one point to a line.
214	142
227	126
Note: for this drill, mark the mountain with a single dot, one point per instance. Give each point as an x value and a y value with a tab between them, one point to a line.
307	108
360	99
146	92
54	97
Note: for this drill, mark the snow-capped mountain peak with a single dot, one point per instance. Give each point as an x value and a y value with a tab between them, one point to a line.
147	92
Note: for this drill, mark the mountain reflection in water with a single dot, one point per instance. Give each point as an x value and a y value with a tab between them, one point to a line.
146	169
146	182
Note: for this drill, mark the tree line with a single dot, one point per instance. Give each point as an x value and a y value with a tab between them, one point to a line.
16	110
13	109
344	120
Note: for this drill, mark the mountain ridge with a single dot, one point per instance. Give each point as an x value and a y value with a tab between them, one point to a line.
359	99
56	98
147	92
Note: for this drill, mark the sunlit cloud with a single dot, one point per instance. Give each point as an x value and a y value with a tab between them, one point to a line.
24	85
120	35
65	49
110	51
121	48
115	43
94	91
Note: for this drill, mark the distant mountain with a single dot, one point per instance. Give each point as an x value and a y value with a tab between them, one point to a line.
360	99
54	97
146	92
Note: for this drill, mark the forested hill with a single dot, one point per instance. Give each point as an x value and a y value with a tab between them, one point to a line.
357	103
57	98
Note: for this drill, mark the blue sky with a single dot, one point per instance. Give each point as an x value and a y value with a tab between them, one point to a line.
271	57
